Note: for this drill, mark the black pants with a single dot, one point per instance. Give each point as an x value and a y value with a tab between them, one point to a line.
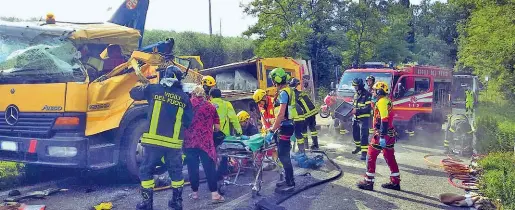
193	159
152	157
299	130
311	123
283	150
223	169
360	133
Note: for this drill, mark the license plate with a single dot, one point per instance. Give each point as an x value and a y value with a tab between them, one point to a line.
9	146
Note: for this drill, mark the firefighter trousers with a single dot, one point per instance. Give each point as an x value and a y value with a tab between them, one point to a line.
389	155
300	138
311	124
360	133
283	148
152	157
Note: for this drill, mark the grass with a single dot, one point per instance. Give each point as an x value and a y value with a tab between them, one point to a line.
9	174
498	178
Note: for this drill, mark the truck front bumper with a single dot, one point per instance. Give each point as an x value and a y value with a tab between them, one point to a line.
57	151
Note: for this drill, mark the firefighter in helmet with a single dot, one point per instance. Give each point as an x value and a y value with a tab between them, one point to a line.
310	112
167	102
371	80
248	129
283	127
383	140
459	126
208	82
360	124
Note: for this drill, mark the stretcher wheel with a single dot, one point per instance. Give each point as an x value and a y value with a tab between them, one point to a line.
221	189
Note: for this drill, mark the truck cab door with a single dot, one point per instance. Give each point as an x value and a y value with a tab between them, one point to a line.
412	95
109	99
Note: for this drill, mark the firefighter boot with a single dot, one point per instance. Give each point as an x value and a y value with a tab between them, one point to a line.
148	199
176	201
394	184
315	143
391	186
363	156
288	187
366	184
355	151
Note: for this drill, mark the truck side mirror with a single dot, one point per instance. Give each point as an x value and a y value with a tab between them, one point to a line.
333	86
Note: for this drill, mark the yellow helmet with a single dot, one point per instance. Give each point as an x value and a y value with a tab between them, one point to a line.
259	94
382	87
243	116
208	81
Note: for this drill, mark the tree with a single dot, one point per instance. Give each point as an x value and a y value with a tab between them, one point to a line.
486	42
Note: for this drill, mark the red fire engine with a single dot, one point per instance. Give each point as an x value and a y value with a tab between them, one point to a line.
420	94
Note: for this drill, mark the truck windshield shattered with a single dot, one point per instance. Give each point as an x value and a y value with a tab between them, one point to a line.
40	60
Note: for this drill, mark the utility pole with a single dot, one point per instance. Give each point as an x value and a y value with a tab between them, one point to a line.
210	26
220	26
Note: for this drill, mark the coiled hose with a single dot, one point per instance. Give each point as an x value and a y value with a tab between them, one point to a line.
460	175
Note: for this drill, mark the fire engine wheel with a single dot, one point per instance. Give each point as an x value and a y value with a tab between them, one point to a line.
132	150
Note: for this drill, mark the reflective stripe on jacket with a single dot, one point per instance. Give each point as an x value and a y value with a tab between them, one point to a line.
170	114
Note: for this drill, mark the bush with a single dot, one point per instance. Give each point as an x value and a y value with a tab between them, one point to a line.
498	178
495	124
9	173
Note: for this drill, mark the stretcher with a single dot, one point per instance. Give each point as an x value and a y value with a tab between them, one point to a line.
254	151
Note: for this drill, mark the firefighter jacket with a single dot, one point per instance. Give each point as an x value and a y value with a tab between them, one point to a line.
383	117
170	113
291	111
267	113
457	123
307	104
301	111
363	104
227	116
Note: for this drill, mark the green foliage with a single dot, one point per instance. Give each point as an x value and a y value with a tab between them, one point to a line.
213	50
498	178
9	173
495	123
486	42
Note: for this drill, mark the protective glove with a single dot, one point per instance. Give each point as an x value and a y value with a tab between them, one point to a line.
243	137
382	142
269	136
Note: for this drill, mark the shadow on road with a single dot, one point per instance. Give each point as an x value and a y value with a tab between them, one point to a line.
421	171
420	201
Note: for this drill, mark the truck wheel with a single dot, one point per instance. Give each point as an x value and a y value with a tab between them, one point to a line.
132	151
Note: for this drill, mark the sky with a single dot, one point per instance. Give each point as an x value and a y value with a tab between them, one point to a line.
177	15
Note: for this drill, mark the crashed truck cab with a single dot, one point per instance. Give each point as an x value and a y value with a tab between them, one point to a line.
55	101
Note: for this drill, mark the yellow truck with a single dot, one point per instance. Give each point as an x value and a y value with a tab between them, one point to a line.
239	80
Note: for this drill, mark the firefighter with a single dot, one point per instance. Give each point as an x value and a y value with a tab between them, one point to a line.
266	108
310	112
208	82
371	80
299	121
283	127
459	125
383	140
167	103
247	128
469	102
360	124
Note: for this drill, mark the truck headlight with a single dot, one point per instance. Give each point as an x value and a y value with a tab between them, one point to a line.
62	151
9	146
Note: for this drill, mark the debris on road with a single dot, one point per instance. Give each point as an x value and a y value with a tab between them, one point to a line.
103	206
34	194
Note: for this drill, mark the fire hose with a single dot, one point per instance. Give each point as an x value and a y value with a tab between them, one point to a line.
460	175
264	204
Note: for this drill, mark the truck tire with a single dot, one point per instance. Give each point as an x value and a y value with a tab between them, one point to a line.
131	153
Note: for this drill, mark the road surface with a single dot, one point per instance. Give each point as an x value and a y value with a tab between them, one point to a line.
421	185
